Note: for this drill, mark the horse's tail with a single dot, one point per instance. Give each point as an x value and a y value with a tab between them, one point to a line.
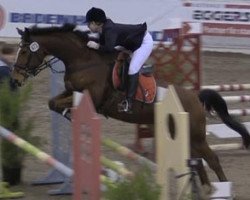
212	100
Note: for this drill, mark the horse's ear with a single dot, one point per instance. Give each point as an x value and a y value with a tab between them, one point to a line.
26	35
20	32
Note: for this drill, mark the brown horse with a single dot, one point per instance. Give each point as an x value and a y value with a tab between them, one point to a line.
90	69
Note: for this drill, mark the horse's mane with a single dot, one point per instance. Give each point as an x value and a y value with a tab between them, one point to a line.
35	30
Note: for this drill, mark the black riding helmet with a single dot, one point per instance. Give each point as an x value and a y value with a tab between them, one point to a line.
96	15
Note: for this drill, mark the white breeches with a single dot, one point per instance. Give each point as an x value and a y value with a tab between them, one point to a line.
139	57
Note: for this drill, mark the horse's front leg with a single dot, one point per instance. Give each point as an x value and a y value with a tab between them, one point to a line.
62	103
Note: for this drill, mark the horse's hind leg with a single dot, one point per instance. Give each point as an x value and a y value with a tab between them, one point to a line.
211	158
200	168
206	185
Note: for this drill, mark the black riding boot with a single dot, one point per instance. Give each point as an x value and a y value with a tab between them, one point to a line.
126	105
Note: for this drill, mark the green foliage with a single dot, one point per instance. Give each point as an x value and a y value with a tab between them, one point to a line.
141	187
11	107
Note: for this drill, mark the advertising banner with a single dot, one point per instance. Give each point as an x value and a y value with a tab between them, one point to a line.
159	15
220	18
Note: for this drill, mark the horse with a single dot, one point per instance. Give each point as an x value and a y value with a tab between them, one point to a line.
88	69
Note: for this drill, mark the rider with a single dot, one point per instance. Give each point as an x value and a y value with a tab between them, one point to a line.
134	38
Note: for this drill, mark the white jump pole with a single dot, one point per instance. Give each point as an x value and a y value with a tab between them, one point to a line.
239	112
227	87
237	99
222	147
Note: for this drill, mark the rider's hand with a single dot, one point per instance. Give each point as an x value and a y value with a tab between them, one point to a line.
93	45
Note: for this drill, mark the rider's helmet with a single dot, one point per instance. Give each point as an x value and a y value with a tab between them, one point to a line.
96	15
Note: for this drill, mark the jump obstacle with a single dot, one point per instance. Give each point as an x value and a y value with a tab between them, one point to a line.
167	164
87	143
66	171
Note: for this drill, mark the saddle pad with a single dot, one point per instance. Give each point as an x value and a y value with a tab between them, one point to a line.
146	90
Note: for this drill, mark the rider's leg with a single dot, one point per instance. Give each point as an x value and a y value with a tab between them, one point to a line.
131	90
138	58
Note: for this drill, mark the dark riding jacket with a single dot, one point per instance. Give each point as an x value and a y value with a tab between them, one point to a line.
126	35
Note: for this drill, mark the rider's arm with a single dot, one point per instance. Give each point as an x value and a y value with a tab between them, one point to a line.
110	38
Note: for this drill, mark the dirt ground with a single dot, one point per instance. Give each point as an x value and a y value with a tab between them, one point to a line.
218	68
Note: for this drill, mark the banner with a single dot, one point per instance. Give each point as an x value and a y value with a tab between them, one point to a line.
220	18
161	14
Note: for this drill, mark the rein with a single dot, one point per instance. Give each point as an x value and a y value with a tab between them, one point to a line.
50	64
47	64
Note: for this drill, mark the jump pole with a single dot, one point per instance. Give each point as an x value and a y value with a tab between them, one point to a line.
239	112
227	87
237	99
127	153
44	157
223	147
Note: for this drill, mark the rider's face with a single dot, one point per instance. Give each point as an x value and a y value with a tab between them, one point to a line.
94	27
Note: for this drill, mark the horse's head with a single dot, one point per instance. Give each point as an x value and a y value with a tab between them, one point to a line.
30	58
62	42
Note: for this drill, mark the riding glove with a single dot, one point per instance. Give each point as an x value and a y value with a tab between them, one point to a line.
93	45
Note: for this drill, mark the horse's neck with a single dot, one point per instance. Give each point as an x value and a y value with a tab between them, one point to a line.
61	47
71	52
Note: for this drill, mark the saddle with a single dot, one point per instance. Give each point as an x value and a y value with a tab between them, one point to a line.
146	90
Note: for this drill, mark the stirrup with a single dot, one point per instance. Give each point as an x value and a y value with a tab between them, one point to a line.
124	106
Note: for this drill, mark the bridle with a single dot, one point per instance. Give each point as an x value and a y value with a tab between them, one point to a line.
27	70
